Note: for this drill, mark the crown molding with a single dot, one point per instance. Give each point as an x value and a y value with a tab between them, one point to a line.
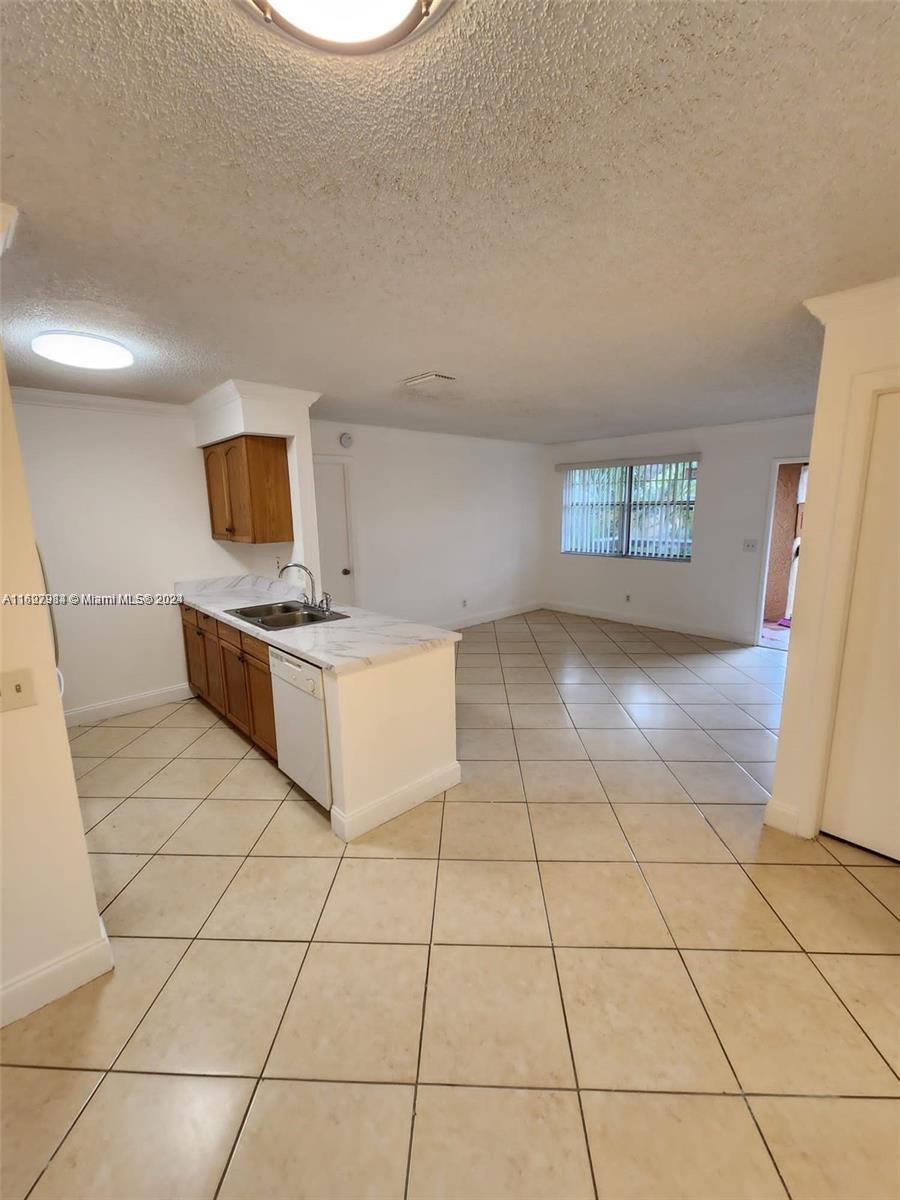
47	398
854	301
240	390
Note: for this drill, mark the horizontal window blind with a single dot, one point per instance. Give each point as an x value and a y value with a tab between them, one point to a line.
636	510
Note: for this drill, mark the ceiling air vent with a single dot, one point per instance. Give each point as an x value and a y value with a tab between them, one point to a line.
431	377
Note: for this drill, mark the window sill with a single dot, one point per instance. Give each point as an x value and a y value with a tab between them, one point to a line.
623	557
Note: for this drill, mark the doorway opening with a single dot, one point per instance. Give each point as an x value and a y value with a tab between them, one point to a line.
783	561
332	482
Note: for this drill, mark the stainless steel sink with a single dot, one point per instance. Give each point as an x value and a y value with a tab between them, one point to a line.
267	610
288	615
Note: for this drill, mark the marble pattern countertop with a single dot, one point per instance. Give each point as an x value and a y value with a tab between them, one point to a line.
362	640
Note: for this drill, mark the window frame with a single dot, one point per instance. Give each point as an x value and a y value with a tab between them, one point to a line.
627	506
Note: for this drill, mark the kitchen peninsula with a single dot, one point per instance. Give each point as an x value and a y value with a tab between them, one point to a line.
361	710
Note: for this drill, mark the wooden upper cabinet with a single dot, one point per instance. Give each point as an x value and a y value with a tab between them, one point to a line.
249	490
217	491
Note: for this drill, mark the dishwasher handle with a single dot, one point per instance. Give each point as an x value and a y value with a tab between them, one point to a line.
301	675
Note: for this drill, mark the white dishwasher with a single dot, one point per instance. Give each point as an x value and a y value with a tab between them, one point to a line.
300	725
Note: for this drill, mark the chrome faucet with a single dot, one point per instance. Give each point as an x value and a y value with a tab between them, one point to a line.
311	594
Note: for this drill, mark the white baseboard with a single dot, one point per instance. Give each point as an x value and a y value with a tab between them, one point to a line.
56	978
348	826
90	714
783	816
633	618
464	618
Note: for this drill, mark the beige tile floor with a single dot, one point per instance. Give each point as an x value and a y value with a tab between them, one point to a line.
587	971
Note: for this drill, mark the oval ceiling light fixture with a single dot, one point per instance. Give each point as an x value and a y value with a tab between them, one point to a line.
350	26
86	350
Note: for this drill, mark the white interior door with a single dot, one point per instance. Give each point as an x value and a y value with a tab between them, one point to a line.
333	509
862	793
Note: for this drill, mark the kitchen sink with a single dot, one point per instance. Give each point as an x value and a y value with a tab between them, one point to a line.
290	614
267	610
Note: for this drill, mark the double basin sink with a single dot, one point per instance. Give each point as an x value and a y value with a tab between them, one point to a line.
290	614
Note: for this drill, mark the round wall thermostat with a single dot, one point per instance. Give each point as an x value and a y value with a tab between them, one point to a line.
346	440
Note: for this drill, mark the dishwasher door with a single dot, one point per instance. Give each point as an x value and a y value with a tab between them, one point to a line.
300	724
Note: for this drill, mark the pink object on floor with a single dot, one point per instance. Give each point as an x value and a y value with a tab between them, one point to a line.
785	622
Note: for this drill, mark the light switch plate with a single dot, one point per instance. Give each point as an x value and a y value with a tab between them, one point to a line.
16	690
751	545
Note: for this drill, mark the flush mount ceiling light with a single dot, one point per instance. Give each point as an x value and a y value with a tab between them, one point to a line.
86	350
350	26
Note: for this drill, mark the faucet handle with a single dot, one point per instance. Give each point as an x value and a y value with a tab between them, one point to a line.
325	602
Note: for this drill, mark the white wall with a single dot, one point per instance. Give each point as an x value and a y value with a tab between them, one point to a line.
119	503
860	361
438	519
238	407
53	940
717	592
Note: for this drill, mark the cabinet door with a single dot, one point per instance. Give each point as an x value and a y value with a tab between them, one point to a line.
237	474
217	490
270	489
215	680
196	657
237	705
262	709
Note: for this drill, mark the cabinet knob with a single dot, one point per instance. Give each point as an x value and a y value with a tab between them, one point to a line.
229	529
199	633
345	571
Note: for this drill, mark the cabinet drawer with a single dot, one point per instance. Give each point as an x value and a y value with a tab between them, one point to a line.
207	624
227	633
255	647
189	614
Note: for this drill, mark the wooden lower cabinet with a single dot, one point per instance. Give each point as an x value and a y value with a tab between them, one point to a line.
215	682
237	704
196	657
262	708
235	680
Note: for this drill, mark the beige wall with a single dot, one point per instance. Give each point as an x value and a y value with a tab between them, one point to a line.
53	939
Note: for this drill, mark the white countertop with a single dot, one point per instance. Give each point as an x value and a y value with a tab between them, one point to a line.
362	640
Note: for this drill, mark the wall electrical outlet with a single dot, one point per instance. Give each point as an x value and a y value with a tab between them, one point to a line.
465	604
628	597
751	545
277	564
16	690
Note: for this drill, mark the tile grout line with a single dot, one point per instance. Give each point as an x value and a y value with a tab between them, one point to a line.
562	1002
412	1125
880	1097
105	1073
808	954
259	1078
709	1019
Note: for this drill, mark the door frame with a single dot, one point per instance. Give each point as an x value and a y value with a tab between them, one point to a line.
347	463
766	544
814	673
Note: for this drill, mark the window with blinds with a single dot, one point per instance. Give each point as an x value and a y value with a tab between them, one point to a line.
632	510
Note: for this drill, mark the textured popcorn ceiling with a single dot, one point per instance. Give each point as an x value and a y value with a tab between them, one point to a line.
601	217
